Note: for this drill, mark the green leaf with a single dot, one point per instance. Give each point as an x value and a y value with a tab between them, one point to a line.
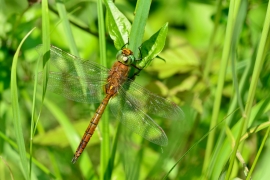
57	136
153	46
178	60
117	24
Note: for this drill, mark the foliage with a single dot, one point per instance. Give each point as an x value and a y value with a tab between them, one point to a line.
214	66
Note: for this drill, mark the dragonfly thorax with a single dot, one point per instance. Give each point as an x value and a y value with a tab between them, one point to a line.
125	56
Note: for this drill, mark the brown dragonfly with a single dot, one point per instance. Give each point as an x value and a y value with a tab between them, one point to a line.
88	82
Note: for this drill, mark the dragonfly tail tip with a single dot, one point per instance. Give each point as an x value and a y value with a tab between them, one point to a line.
74	159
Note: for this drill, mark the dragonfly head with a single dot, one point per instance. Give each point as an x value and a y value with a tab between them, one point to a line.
125	56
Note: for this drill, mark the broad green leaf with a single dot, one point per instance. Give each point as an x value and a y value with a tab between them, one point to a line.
178	60
117	24
153	46
57	136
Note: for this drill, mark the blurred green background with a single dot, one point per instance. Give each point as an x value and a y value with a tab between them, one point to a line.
188	76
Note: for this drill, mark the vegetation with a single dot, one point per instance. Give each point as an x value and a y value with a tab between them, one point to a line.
212	59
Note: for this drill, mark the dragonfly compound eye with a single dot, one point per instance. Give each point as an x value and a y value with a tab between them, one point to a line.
125	59
125	56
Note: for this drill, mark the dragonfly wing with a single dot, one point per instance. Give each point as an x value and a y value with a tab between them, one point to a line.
75	78
151	103
70	87
132	116
66	63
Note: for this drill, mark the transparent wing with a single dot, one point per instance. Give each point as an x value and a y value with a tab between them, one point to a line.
74	78
71	88
64	62
132	116
151	103
134	105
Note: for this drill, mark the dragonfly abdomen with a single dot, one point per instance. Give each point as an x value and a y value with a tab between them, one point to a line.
91	127
117	76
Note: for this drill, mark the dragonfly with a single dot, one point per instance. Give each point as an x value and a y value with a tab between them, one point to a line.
86	81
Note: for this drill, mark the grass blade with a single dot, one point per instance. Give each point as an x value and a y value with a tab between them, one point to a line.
67	29
16	110
45	42
42	168
46	57
259	153
218	94
137	29
85	164
105	143
264	42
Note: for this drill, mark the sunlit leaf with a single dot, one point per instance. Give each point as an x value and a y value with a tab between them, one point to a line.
117	24
181	59
57	136
153	46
